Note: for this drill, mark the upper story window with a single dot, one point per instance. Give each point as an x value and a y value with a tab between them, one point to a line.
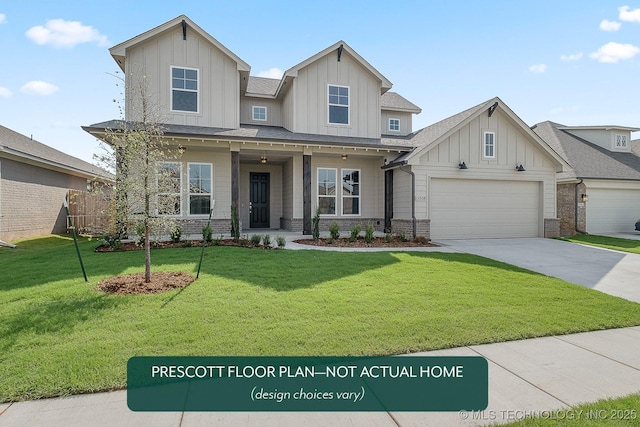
338	105
489	145
394	125
184	89
621	141
260	113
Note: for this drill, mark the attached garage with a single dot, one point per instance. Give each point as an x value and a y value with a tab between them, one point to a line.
612	209
463	208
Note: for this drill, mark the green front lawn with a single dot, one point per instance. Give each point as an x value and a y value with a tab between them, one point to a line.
624	411
59	335
618	244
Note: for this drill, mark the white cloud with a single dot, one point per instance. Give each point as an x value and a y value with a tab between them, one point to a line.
4	92
3	18
607	25
61	33
272	73
572	57
613	52
38	87
538	68
629	15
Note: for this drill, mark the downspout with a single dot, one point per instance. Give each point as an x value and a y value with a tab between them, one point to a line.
575	218
413	198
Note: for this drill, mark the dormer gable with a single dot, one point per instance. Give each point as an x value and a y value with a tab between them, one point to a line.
612	138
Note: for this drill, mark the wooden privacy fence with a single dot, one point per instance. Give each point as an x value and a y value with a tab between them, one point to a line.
89	212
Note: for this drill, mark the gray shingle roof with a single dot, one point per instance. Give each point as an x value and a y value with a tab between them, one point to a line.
588	160
255	132
262	86
396	102
22	146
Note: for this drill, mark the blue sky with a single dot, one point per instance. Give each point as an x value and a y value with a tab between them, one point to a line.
572	62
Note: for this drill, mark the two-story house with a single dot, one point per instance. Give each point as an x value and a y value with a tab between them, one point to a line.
331	135
601	192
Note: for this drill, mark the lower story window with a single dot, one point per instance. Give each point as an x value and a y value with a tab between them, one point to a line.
169	184
200	188
327	191
350	192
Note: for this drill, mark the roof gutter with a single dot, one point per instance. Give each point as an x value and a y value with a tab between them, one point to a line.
413	197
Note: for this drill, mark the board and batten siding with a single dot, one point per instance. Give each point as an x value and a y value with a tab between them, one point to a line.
219	79
603	138
401	194
308	108
274	111
405	122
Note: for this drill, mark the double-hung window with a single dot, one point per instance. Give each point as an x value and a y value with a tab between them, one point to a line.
200	188
169	188
338	105
260	113
184	89
350	192
489	145
327	191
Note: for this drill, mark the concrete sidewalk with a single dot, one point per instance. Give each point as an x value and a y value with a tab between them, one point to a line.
525	378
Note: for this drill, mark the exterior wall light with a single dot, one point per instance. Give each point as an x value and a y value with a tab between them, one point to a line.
520	168
462	165
584	198
181	149
345	157
263	159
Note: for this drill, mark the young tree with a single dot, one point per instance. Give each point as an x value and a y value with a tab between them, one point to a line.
147	190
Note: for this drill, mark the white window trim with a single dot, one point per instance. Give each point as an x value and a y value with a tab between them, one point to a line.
623	143
484	144
318	195
253	113
348	106
394	130
189	193
171	89
179	214
343	196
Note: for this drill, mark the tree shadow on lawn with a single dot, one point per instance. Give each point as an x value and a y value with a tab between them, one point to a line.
54	316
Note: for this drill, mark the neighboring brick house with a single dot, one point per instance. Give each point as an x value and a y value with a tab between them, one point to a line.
601	191
34	178
331	135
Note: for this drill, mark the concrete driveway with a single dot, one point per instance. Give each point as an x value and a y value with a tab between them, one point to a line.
615	273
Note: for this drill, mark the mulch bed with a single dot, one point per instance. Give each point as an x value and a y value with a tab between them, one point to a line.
134	246
134	283
377	242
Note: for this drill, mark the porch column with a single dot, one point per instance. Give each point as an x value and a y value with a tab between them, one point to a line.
388	199
235	179
306	194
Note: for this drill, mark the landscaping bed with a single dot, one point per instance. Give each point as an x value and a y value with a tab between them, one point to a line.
376	242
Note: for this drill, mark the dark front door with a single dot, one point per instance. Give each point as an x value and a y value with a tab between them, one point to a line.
259	200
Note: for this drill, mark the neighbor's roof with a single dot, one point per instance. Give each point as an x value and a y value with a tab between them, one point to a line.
588	160
27	149
254	133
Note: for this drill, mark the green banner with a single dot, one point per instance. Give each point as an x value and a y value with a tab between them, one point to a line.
399	383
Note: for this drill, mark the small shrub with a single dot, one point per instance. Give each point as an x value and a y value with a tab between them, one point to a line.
244	241
402	236
255	239
334	231
368	233
111	240
207	234
388	237
315	225
421	240
217	241
266	240
329	240
140	233
176	234
355	232
187	244
281	241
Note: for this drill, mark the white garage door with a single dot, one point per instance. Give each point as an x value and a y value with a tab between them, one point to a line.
465	209
612	210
